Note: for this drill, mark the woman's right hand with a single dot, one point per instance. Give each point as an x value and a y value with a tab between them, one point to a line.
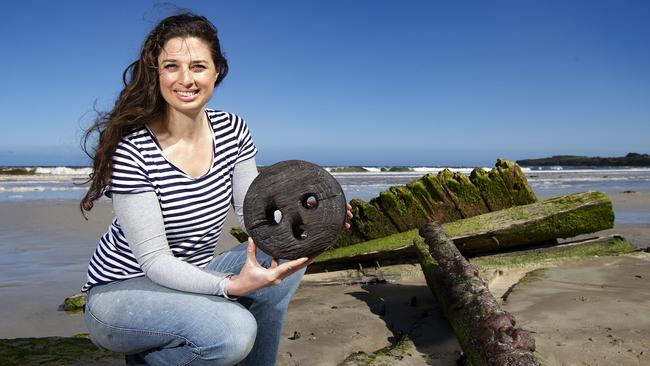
253	276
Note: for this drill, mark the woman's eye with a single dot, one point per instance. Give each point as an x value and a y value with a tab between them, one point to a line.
198	68
170	66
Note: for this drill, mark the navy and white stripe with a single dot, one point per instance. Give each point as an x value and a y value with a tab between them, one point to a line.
194	209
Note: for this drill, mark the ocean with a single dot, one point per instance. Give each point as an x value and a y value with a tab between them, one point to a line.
66	183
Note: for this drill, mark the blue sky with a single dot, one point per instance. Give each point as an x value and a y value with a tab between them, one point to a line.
356	82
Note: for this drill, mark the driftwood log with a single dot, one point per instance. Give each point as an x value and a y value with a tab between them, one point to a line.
294	209
533	224
486	333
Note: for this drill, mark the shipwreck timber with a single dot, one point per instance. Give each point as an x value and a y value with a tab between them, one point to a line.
445	197
486	333
507	229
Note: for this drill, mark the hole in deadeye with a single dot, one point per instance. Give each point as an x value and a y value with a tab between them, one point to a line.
310	201
299	231
273	213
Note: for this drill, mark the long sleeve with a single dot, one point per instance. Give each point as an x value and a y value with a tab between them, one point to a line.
243	175
141	220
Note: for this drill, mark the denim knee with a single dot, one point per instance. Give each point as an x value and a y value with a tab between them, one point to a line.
231	348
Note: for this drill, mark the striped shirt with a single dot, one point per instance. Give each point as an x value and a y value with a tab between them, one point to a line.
194	209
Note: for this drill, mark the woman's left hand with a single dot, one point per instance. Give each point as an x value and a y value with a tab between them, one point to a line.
254	276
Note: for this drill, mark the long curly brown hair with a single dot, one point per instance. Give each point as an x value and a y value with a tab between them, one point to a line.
140	100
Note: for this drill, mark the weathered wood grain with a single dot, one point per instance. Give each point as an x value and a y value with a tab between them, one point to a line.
310	202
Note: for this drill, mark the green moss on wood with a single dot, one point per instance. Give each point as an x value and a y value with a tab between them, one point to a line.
489	232
371	222
446	210
381	244
75	302
427	263
463	192
403	209
239	234
600	247
493	190
419	191
515	182
444	198
389	355
349	237
561	217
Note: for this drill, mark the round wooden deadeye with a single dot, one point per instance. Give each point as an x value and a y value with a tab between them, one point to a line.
294	209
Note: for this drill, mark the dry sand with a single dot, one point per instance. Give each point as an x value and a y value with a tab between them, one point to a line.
591	313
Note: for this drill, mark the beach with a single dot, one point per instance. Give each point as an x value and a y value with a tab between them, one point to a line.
337	314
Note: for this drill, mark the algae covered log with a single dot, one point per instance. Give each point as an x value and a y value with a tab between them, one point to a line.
560	217
399	253
533	224
550	256
486	333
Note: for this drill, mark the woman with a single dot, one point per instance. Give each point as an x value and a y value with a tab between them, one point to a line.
156	292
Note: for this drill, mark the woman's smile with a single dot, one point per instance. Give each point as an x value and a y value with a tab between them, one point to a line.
186	95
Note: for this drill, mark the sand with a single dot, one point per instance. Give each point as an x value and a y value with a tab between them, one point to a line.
50	245
588	313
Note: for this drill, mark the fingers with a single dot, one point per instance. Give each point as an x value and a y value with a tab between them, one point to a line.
288	268
251	251
348	216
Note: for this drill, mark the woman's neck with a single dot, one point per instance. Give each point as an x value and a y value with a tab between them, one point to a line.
180	126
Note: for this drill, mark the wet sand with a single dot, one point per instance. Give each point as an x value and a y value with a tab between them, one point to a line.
46	246
338	315
589	313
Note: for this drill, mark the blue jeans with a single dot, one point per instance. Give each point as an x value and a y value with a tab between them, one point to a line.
160	326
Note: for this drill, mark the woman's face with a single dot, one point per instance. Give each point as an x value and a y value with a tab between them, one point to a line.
187	74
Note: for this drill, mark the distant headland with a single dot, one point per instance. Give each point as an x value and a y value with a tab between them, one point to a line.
631	159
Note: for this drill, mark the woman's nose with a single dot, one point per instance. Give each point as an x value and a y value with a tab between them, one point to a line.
186	77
